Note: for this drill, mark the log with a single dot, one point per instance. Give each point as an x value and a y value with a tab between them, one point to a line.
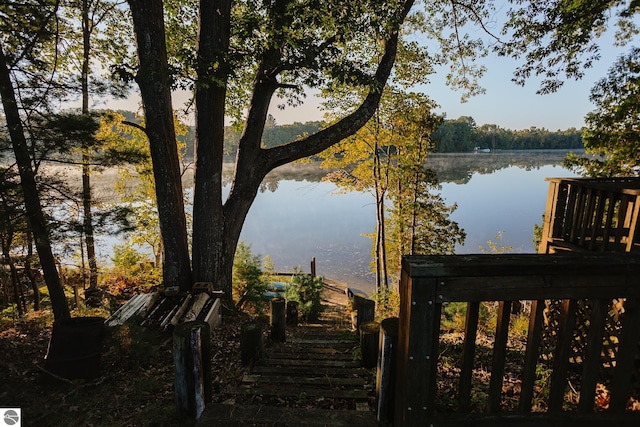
183	308
128	310
292	313
386	374
214	316
191	314
278	320
251	342
192	363
369	337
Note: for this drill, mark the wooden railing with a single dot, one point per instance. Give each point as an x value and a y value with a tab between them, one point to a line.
591	215
431	281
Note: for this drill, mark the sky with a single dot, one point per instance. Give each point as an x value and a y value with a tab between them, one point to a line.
504	103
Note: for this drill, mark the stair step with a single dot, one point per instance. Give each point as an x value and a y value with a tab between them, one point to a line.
285	390
320	381
319	363
257	415
312	371
338	356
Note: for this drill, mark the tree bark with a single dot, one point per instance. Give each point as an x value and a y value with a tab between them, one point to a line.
208	242
217	226
35	214
154	82
87	199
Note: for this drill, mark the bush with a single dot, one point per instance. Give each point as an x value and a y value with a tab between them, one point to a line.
387	303
307	291
249	283
125	257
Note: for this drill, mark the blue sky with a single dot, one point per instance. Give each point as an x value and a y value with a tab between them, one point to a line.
505	103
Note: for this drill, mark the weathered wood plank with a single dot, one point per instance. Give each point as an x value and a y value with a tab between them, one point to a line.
468	353
535	420
320	363
310	371
593	361
310	381
129	309
285	390
312	356
531	356
232	415
567	322
498	359
628	348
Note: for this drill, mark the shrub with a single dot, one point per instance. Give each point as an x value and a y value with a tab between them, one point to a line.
249	282
307	291
387	303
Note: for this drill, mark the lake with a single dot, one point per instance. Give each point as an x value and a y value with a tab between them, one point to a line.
496	192
297	216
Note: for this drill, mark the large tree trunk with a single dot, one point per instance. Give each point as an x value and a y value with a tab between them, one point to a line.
35	215
154	82
209	245
216	226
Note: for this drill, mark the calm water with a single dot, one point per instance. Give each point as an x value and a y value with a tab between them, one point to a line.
297	216
305	219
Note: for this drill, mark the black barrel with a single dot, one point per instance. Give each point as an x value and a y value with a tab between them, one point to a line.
75	348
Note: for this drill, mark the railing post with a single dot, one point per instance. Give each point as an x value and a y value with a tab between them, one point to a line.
192	361
417	349
386	378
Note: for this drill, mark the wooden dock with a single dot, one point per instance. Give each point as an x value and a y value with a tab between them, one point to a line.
312	379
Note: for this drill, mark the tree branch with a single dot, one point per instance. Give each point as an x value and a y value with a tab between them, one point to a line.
135	125
350	124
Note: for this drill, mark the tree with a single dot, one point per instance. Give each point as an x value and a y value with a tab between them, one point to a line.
612	131
296	43
242	54
92	14
26	26
558	39
387	157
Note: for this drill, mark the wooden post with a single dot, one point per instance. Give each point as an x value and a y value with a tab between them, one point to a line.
278	320
192	362
365	311
251	342
292	313
386	374
313	267
369	337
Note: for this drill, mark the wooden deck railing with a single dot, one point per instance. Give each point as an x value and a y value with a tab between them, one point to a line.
586	214
429	282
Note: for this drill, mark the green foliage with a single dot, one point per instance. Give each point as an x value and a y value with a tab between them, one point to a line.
463	135
612	132
387	303
307	291
126	257
386	158
558	38
495	246
249	282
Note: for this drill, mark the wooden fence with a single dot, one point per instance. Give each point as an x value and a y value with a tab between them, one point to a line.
585	214
429	282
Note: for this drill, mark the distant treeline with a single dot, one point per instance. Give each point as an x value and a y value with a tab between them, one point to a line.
453	136
462	135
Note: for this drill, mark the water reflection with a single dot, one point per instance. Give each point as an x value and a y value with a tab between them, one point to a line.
297	216
308	218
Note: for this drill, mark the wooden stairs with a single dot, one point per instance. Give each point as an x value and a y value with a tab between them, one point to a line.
311	379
